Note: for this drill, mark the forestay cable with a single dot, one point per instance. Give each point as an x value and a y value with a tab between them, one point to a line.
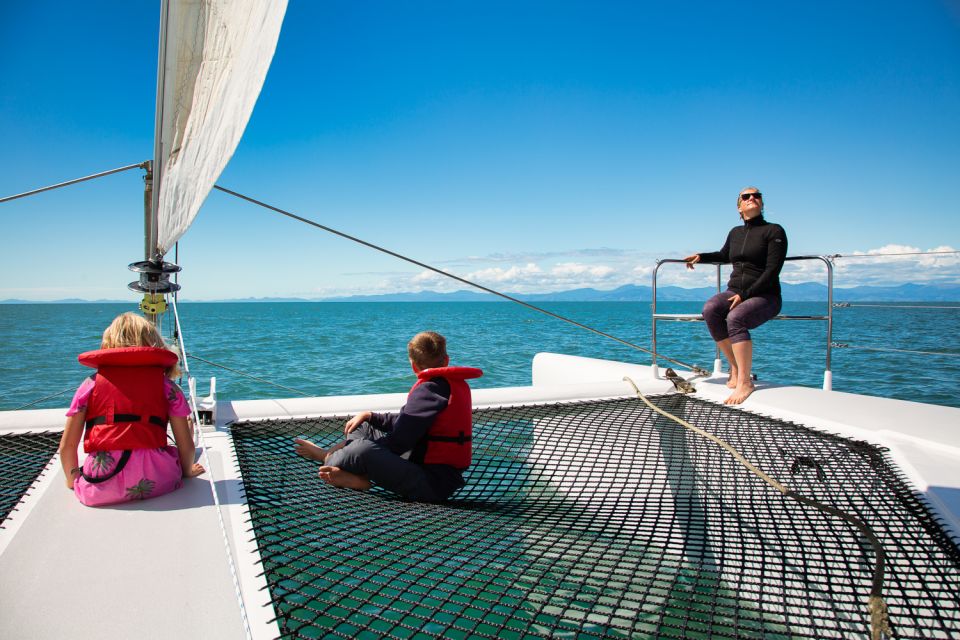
697	370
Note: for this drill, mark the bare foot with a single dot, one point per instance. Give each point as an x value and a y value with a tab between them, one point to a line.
741	393
195	469
344	479
732	380
309	450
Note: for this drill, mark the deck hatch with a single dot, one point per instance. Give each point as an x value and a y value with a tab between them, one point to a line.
23	457
601	519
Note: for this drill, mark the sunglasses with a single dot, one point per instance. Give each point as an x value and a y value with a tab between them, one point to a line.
750	196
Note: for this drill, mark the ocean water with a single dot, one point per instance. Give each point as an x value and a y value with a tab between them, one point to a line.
354	348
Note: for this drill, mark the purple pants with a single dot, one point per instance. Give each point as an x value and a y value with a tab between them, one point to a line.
749	314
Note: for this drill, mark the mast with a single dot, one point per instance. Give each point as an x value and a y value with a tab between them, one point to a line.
213	56
154	280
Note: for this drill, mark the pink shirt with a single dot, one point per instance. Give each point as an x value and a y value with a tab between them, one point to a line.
176	402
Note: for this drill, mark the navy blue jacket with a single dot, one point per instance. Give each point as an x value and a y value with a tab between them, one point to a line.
407	431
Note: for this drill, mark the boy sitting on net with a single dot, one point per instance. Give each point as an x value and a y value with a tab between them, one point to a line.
434	427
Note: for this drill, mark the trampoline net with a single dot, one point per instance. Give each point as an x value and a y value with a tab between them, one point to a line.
602	519
22	457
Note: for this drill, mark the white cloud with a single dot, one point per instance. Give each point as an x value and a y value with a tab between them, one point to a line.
607	269
895	264
573	269
526	273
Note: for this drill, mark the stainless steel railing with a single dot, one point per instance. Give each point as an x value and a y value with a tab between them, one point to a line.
695	317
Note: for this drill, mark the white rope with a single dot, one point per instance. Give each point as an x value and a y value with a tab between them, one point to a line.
209	468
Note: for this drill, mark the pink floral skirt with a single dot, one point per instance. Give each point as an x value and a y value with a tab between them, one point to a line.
144	473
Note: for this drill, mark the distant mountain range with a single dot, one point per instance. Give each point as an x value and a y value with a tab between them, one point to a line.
804	292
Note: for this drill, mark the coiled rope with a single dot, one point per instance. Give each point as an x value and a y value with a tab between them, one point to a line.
697	370
879	617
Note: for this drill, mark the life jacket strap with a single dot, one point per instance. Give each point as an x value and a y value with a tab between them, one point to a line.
461	439
121	463
126	417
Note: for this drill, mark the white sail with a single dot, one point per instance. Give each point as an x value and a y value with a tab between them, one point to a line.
214	56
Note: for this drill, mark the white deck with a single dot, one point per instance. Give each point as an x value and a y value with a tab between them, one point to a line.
159	568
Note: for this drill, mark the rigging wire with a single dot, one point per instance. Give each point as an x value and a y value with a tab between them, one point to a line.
15	390
60	393
844	345
246	375
844	305
209	467
699	371
886	255
141	165
879	617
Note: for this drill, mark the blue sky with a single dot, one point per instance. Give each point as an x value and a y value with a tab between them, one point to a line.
533	146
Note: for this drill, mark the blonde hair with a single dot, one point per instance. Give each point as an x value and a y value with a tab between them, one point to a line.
132	330
427	349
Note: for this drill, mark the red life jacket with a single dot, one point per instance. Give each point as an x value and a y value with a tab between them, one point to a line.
449	438
128	407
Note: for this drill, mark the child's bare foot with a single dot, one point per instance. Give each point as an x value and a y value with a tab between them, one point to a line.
732	380
344	479
741	393
309	450
194	470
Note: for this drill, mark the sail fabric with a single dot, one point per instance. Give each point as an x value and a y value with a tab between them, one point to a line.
214	58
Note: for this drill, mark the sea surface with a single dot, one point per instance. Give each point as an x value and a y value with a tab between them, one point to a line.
335	348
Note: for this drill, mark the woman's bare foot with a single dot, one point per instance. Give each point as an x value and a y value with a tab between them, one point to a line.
344	479
309	450
732	380
741	393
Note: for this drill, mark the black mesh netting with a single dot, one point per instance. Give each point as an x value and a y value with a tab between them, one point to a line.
22	457
602	519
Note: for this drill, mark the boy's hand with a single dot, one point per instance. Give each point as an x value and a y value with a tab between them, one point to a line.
356	421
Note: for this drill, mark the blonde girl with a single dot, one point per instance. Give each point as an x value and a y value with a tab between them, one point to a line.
121	413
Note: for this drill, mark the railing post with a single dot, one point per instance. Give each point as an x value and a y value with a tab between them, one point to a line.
828	371
653	313
717	362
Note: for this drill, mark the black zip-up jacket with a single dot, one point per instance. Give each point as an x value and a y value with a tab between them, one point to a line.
756	249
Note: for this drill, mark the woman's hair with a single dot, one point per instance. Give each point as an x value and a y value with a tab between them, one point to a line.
427	349
132	330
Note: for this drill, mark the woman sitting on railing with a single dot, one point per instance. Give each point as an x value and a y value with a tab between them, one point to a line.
757	250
